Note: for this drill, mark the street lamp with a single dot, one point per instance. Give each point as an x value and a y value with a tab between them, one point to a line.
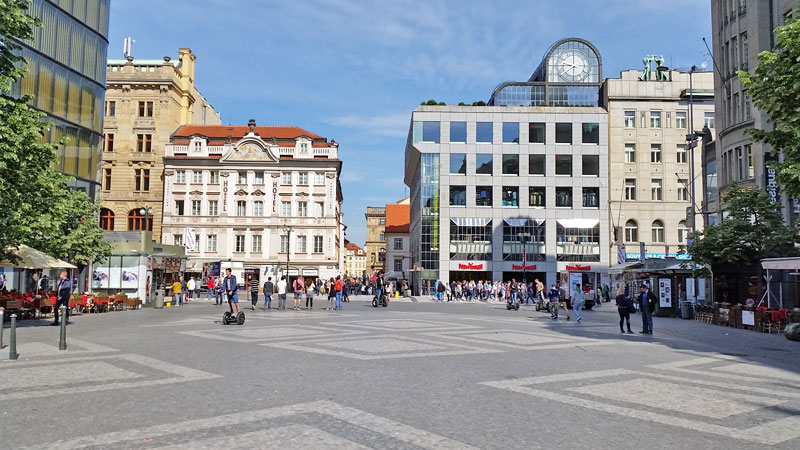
524	238
288	229
146	212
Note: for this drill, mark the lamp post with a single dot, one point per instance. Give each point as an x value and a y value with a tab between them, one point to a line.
146	213
524	238
288	229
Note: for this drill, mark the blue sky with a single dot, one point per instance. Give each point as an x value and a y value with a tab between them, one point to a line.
354	70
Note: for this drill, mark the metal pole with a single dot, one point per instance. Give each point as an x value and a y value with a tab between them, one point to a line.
62	341
692	145
12	347
2	313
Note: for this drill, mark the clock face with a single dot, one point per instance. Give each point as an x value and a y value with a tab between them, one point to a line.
572	65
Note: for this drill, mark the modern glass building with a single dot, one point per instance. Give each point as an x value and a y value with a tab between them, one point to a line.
66	78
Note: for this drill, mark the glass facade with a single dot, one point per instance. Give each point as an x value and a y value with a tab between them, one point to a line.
520	95
66	62
425	200
534	95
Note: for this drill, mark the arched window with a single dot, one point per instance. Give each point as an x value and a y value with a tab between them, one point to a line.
137	221
106	219
658	231
631	231
683	232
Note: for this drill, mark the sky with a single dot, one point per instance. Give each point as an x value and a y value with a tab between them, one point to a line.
354	71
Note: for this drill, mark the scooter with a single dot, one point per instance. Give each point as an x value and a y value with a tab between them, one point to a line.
383	301
228	318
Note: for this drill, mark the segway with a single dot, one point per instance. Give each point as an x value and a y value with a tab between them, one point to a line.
511	304
228	317
383	301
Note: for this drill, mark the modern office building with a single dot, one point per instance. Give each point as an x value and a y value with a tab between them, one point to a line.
66	62
146	101
398	250
264	196
355	261
650	189
517	189
376	238
740	31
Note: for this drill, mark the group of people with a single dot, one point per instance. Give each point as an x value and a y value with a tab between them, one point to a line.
470	290
183	290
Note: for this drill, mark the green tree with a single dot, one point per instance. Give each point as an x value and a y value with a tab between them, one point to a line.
36	206
775	89
753	230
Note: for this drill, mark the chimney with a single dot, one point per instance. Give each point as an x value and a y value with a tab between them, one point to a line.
252	125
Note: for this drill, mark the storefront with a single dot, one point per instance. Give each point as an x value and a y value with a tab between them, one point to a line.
591	277
470	270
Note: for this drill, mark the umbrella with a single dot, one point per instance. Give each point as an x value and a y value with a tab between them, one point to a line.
373	278
30	258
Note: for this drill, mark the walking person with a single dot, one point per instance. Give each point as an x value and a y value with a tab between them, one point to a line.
578	300
309	293
624	307
184	291
63	292
268	290
556	302
191	286
338	292
177	296
218	291
297	288
647	300
331	294
253	292
210	288
282	293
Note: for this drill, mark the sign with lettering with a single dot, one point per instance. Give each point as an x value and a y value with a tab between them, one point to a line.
579	268
773	191
521	267
470	266
274	196
225	195
665	293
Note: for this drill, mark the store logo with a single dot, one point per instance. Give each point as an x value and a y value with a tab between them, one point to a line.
520	267
470	266
579	267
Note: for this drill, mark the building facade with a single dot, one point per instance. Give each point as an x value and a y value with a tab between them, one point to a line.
146	101
650	189
376	238
517	189
355	261
398	246
740	31
265	197
66	62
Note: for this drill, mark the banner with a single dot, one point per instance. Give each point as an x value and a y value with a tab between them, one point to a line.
621	254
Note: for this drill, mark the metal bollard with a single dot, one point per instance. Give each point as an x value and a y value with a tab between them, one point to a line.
2	313
62	342
12	347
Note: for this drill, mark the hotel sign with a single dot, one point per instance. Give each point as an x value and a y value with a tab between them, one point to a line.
521	267
470	266
579	268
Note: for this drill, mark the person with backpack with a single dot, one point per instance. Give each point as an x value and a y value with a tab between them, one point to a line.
338	288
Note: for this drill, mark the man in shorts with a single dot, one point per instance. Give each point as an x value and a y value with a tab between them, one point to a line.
282	293
297	288
230	287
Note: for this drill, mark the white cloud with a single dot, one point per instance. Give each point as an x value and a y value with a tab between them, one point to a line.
391	125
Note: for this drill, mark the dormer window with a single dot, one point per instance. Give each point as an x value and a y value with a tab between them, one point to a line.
304	147
198	146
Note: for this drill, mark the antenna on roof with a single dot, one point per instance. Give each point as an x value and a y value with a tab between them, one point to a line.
126	46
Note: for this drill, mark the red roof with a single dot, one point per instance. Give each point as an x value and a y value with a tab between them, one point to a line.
239	131
352	246
398	218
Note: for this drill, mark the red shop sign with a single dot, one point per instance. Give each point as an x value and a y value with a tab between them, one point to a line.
578	267
519	267
470	266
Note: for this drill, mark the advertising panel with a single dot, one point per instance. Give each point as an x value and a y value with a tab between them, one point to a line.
130	272
665	293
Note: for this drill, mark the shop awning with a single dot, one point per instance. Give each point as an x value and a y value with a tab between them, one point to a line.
680	267
621	268
527	222
471	221
578	223
781	263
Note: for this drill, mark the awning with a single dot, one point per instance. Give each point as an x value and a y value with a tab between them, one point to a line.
677	267
471	221
30	258
578	223
781	263
528	222
620	268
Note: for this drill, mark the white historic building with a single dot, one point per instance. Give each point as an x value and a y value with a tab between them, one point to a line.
267	197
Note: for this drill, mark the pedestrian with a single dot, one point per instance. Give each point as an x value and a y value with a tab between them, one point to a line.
624	307
297	288
338	291
210	288
63	292
268	290
556	302
231	286
176	292
191	285
647	302
253	292
577	301
282	293
184	291
331	294
3	286
309	293
218	291
539	289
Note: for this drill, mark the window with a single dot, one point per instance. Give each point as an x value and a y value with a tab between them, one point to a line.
195	207
197	177
458	132
111	108
398	264
259	178
180	177
536	164
681	154
258	208
658	231
536	133
563	133
655	119
510	132
177	239
382	221
284	244
302	209
631	231
398	243
630	153
213	177
737	106
680	119
139	221
106	219
564	197
682	190
564	165
179	207
590	165
304	147
483	196
383	236
109	147
211	242
241	177
590	133
483	132
213	207
591	197
683	231
511	196
458	163
735	54
708	119
510	164
458	196
537	197
655	189
286	178
256	247
740	164
655	153
483	163
319	178
630	189
301	243
319	209
144	143
142	180
317	244
241	208
107	179
748	150
471	242
145	109
630	119
302	178
238	244
430	132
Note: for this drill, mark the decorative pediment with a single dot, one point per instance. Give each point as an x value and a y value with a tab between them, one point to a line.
195	192
258	193
251	148
240	192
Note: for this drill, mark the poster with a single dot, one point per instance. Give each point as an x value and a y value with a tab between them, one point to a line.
130	272
748	318
100	276
574	278
665	293
115	272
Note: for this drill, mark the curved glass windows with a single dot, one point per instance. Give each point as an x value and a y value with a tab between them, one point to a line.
520	95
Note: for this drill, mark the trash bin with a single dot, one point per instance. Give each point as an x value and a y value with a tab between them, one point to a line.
686	310
159	299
